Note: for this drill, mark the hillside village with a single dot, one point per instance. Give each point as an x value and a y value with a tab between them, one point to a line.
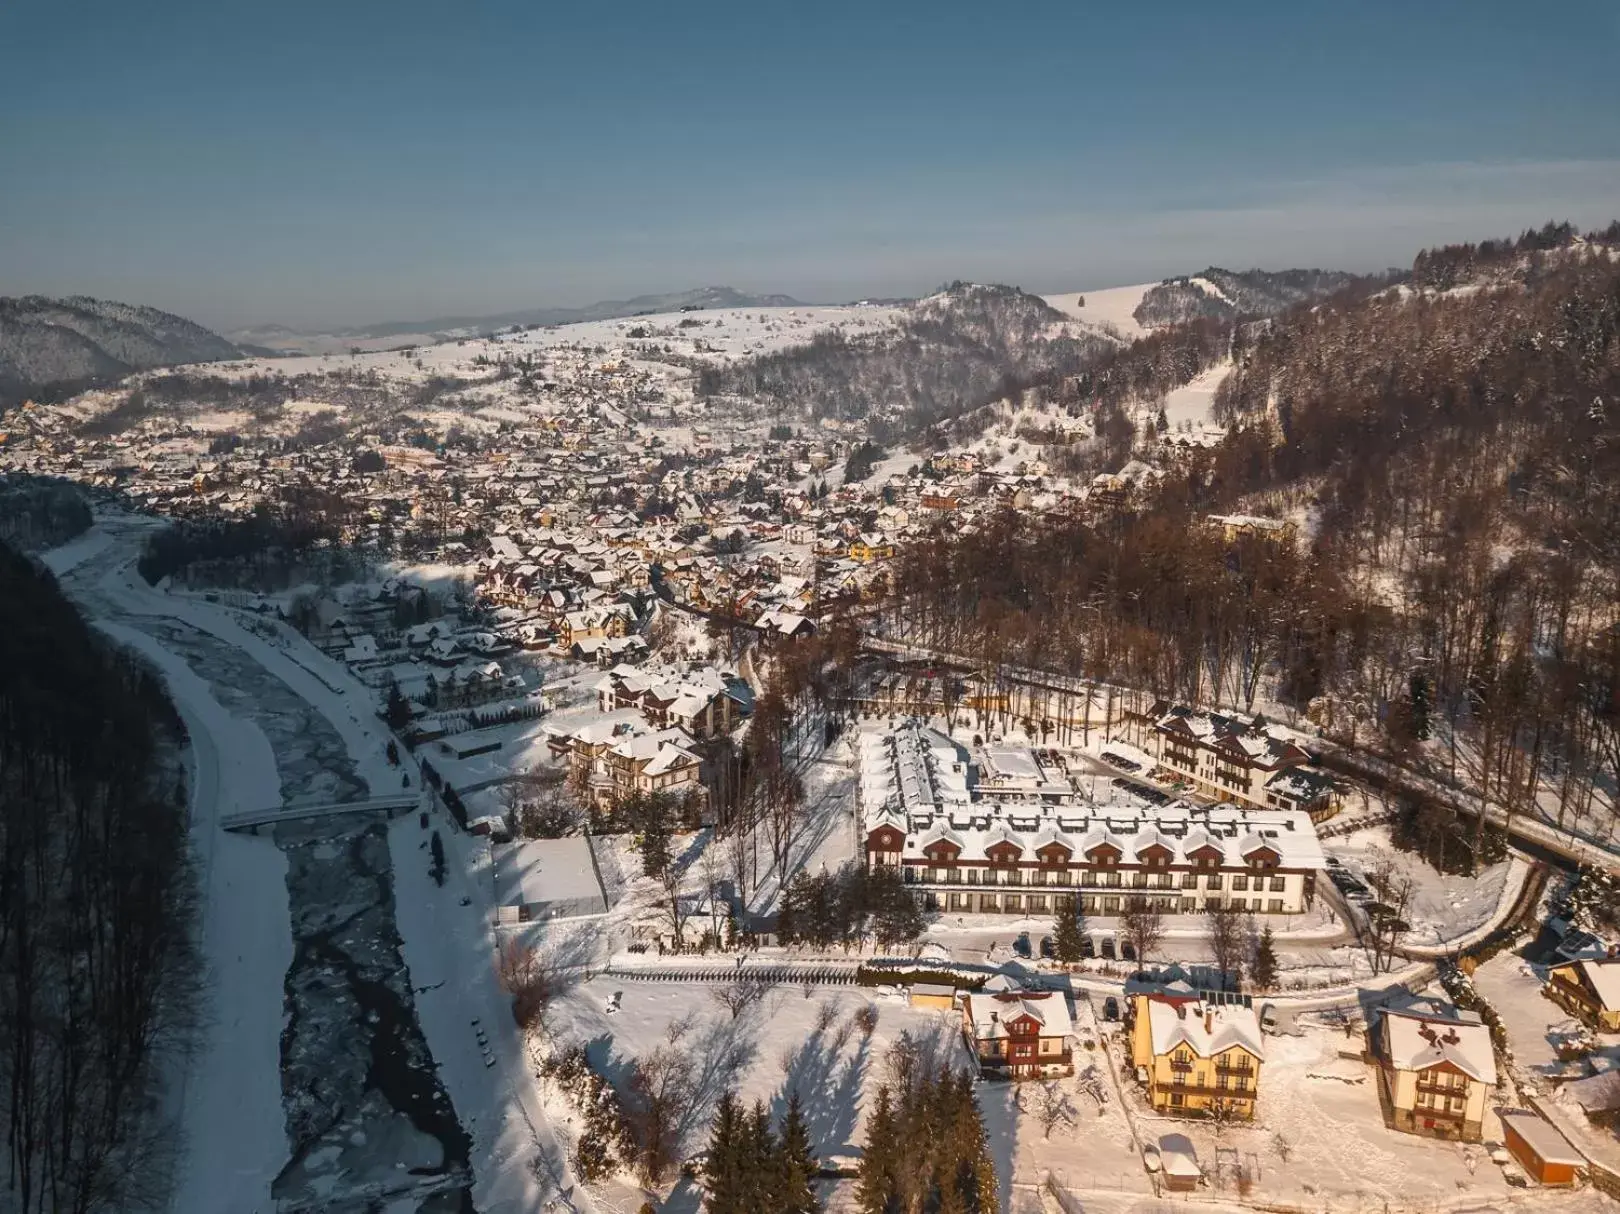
627	656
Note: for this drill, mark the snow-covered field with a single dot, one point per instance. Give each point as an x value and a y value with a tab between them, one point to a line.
1444	907
1192	405
1111	307
799	1039
719	334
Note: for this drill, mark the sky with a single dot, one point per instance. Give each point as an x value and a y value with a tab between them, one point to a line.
321	165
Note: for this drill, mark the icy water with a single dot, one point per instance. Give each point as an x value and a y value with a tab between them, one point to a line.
369	1126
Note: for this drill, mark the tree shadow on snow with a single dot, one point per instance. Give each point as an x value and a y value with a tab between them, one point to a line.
829	1089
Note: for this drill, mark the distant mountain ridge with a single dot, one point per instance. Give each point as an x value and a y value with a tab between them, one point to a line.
608	309
46	341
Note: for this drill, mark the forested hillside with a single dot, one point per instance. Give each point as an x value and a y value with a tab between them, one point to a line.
96	968
1453	460
1218	294
39	512
952	352
75	340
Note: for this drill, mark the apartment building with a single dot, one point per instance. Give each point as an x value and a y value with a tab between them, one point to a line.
1230	758
968	847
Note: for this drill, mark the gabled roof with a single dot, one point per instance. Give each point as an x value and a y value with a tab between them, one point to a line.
1206	1029
1428	1033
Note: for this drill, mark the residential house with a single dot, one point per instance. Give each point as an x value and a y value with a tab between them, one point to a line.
1019	1034
1436	1067
1201	1052
1589	989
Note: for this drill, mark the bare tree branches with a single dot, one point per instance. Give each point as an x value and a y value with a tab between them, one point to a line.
740	994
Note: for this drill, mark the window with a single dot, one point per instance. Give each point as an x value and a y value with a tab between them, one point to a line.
1037	902
1014	902
1278	884
1276	906
1240	882
1214	881
1189	880
1139	879
1166	881
1189	906
1176	1099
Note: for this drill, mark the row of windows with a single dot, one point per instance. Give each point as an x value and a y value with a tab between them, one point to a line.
995	876
1039	903
1102	860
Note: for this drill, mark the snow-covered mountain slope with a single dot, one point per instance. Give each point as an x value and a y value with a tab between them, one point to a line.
46	341
1111	308
421	332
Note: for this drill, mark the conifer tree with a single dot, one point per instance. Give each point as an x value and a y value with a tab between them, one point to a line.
796	1165
758	1158
1263	972
723	1172
875	1185
1068	932
975	1144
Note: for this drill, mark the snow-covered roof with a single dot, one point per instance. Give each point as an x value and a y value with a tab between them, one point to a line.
1207	1029
1604	975
991	1013
1428	1033
1549	1145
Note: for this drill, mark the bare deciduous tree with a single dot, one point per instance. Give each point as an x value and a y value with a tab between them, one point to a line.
1228	944
1049	1104
1142	925
524	976
740	994
661	1091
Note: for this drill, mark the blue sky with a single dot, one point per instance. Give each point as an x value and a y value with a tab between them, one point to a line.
324	164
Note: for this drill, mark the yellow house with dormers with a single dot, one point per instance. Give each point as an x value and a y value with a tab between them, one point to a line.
869	548
1200	1056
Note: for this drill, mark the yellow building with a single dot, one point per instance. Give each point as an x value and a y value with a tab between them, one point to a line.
1589	989
1199	1055
1436	1067
870	548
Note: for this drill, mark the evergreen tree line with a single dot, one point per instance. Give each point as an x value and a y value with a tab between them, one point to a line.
97	970
267	539
753	1169
838	909
39	512
927	1151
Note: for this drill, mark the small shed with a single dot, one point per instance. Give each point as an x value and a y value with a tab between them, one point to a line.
1543	1153
1178	1159
933	996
